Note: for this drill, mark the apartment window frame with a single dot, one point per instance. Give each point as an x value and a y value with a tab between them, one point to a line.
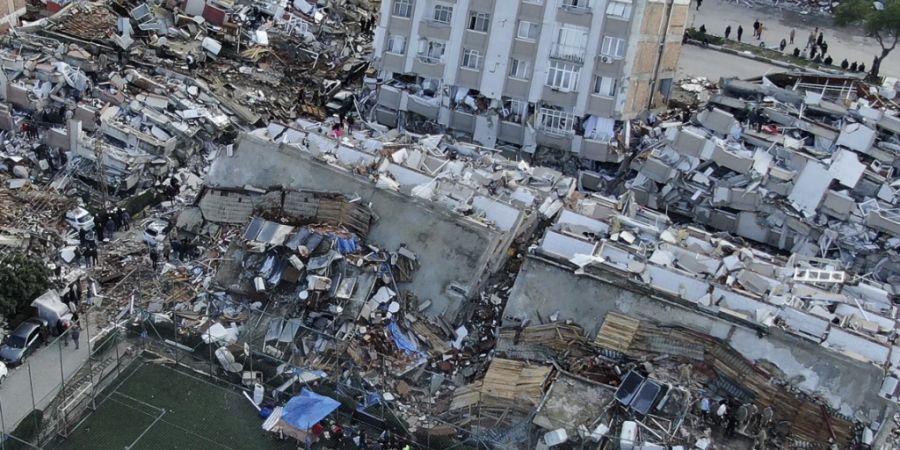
563	76
392	39
619	9
556	121
402	8
609	91
430	50
613	47
519	69
441	10
571	43
576	4
472	59
477	18
532	32
517	110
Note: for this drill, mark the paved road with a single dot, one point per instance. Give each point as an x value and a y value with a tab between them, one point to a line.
16	392
699	62
842	42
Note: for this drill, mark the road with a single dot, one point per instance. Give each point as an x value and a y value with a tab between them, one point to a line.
843	43
16	392
699	62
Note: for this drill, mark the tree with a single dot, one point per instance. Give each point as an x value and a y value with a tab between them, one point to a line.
23	278
883	24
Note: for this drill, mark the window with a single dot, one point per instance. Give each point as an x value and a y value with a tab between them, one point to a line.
397	44
619	9
442	13
576	4
519	69
571	43
527	30
605	86
563	76
514	110
557	121
432	52
614	47
479	21
471	59
402	8
534	2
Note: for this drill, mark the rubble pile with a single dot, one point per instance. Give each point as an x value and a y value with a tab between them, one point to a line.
800	171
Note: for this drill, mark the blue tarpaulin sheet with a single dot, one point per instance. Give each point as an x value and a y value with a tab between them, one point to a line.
401	340
308	409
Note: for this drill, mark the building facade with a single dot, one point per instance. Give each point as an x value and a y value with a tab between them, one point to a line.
520	74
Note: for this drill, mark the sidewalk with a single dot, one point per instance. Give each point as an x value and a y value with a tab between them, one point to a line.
842	42
16	394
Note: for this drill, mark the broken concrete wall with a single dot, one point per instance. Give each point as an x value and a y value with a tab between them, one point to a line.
544	288
454	253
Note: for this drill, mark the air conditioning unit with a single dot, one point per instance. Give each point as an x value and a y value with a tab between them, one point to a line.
605	59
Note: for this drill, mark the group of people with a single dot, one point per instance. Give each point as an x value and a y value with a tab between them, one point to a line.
110	222
746	419
333	433
816	48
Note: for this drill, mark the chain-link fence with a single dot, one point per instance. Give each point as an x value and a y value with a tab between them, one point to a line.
55	386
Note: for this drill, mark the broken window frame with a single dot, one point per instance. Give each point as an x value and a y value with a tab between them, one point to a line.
563	76
402	8
519	69
531	32
598	90
471	59
430	54
439	13
613	47
479	22
619	9
514	110
555	120
391	47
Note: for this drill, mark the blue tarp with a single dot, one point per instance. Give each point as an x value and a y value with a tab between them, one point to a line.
308	409
401	340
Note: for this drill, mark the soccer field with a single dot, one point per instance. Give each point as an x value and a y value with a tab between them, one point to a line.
156	407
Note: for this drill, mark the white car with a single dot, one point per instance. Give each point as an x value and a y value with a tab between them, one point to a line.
154	233
3	372
79	219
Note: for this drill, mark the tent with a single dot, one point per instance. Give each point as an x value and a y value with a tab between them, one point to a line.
307	409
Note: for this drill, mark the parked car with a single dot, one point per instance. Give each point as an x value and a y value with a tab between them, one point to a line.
155	232
23	341
79	219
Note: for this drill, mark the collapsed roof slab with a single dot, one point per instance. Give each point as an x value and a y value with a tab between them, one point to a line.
545	287
455	254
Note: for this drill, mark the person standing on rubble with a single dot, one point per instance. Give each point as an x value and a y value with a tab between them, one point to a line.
125	218
154	257
727	32
740	32
791	36
76	334
110	229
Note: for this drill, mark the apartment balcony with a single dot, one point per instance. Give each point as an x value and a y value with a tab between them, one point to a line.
389	96
428	66
602	150
568	53
555	138
431	28
424	106
462	121
512	132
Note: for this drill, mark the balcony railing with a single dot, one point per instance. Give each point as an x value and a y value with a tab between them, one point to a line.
568	53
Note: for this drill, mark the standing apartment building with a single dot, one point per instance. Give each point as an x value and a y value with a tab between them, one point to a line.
520	74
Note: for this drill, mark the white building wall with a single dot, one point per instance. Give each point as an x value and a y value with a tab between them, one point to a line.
503	32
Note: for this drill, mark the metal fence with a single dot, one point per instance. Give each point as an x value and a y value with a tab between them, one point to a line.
47	396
